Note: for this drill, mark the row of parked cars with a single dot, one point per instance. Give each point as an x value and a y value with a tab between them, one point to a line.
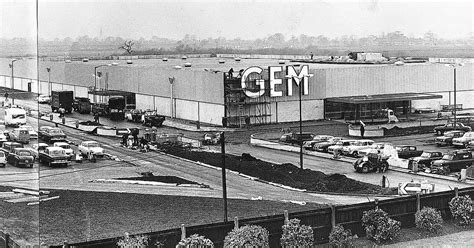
433	161
456	138
56	151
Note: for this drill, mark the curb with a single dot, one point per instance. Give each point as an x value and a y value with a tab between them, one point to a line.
346	160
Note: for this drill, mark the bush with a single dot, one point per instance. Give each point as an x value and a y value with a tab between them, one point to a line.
429	219
133	242
461	209
247	236
195	241
379	227
296	235
339	237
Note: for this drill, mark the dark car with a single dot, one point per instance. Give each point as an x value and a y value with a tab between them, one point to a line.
424	160
309	145
408	151
153	120
21	157
450	127
447	138
452	161
323	146
295	138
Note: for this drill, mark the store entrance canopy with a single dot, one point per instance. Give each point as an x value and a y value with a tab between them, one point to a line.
383	98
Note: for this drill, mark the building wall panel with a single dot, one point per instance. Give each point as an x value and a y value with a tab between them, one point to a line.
311	110
81	91
211	113
162	105
144	102
186	110
44	88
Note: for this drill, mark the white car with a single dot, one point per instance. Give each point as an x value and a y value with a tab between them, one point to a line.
44	99
37	148
353	150
91	148
337	148
67	148
32	131
3	138
374	148
464	140
3	159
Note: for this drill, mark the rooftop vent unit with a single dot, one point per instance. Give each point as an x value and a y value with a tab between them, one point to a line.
237	59
67	61
187	64
177	67
281	62
184	58
165	59
129	62
85	60
221	61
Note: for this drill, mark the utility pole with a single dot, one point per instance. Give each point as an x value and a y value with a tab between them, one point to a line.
224	184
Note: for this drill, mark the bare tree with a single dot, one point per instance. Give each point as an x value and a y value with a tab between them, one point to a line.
128	46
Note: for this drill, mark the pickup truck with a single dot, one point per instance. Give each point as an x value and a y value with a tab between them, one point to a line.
296	138
21	156
52	134
53	156
407	152
424	160
450	127
452	161
89	148
464	140
9	146
447	138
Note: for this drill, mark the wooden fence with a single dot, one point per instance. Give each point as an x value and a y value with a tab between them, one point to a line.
321	220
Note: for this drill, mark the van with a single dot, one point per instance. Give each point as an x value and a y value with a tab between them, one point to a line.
15	117
20	135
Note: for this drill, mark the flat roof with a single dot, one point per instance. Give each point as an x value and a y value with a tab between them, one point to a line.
384	98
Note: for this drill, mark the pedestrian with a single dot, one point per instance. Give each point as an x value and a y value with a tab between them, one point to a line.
247	121
231	73
124	139
312	55
96	118
362	129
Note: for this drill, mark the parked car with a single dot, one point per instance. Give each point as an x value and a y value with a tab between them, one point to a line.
447	138
464	140
3	138
42	130
37	148
440	130
67	149
53	156
323	146
452	161
3	159
353	150
44	99
295	138
33	133
408	151
9	146
316	139
211	138
371	162
337	148
20	157
20	135
53	134
374	148
424	160
89	148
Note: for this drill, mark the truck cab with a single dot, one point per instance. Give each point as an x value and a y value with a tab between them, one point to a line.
20	135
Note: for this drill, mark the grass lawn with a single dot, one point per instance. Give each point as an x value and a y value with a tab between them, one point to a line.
79	216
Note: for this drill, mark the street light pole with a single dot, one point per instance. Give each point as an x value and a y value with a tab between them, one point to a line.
95	81
49	80
13	80
300	139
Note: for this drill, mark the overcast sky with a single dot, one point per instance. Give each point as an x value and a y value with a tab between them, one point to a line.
231	18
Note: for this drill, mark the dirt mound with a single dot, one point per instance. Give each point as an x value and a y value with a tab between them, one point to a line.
286	174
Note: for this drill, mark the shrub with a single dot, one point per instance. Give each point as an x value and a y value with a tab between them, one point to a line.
296	235
133	242
428	219
195	241
379	227
339	237
461	209
247	236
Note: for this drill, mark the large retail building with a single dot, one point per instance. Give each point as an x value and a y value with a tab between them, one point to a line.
206	93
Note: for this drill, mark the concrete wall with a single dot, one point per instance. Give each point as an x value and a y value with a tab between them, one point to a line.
145	102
